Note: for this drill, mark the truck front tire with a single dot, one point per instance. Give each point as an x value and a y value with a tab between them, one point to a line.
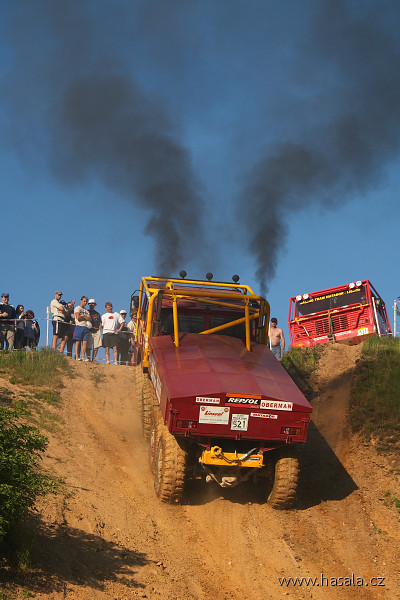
170	467
155	426
148	401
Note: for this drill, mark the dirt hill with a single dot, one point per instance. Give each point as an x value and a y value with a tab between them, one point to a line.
106	536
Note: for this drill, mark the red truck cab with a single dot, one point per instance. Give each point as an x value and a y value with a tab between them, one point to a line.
346	313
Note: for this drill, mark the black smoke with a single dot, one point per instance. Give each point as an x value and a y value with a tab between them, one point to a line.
345	137
107	91
72	98
111	131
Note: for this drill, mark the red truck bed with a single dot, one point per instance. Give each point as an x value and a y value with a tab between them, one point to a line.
217	371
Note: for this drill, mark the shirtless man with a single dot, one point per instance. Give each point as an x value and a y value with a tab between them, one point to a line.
276	337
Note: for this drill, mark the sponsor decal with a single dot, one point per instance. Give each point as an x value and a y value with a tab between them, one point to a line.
332	295
155	379
217	415
240	422
206	400
264	415
242	400
276	405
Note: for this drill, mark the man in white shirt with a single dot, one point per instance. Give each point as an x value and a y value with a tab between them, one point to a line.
60	313
110	323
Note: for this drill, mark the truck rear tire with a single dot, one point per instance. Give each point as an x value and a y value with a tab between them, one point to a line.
148	401
169	468
286	479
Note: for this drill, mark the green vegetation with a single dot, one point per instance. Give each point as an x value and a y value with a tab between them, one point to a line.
392	501
375	402
21	447
41	367
21	443
9	592
300	363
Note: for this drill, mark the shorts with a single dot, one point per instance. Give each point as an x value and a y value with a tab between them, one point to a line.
81	333
60	328
94	340
276	351
110	340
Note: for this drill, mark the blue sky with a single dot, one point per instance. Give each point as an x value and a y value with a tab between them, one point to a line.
141	137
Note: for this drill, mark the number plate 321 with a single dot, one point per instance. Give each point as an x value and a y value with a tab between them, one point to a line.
240	422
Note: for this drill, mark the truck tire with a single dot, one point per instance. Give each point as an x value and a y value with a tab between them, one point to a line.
155	426
169	468
148	401
286	479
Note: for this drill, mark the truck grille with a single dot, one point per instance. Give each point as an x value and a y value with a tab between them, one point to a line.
339	323
319	327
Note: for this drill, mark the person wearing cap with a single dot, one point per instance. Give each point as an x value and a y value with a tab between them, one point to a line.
60	313
94	339
276	337
7	322
123	340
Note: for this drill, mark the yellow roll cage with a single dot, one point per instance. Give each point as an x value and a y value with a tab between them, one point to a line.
228	295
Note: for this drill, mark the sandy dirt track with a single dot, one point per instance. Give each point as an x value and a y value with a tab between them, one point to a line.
106	536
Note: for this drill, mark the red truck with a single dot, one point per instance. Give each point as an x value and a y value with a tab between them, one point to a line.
346	313
215	402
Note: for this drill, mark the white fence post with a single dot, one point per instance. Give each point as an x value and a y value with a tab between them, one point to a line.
47	326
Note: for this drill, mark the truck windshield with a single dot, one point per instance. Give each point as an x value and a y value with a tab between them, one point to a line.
197	323
331	301
237	331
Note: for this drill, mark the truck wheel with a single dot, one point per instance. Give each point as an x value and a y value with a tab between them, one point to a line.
148	401
155	426
169	468
286	478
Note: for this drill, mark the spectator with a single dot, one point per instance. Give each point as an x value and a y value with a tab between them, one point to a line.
110	323
83	322
20	326
7	322
132	333
60	314
94	339
31	331
276	337
70	321
123	339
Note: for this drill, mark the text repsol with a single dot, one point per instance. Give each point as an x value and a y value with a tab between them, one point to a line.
243	401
